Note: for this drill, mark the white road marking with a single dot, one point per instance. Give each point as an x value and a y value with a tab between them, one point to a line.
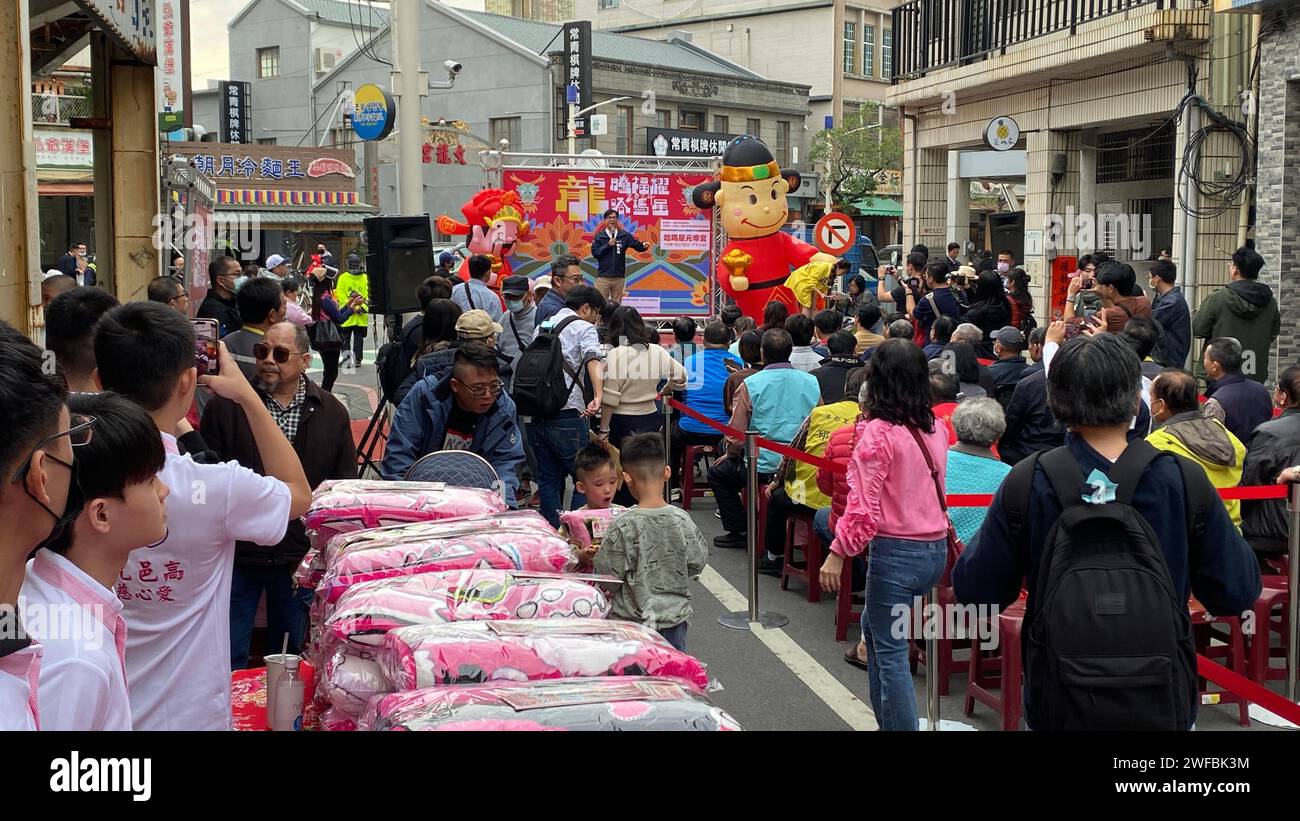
854	712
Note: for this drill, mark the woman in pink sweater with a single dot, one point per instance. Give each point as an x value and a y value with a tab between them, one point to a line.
893	509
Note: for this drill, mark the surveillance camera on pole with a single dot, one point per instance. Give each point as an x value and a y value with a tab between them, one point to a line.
453	68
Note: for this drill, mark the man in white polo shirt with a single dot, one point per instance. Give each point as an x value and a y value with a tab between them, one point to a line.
36	473
176	596
68	595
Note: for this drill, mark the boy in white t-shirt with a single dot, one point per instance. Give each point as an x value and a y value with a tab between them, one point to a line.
176	596
37	500
68	594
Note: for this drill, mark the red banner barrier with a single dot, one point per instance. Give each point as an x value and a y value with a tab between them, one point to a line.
1239	685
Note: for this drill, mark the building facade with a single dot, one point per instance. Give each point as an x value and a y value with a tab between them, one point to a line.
1091	114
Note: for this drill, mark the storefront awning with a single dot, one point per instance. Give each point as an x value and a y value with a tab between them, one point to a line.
879	207
303	220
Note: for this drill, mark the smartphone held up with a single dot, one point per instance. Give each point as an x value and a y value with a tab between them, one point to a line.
207	352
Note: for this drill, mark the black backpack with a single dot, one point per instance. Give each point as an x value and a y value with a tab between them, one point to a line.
392	369
541	388
1107	642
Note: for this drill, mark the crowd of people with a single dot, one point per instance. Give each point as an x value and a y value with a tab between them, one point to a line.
942	384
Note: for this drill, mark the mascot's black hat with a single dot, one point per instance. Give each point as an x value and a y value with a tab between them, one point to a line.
745	159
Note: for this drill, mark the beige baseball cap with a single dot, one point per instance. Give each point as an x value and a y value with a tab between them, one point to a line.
542	282
476	324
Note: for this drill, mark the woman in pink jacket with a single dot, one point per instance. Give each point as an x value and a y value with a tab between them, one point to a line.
893	512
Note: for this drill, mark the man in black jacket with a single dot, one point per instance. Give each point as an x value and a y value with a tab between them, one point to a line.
220	303
1239	402
1031	428
834	372
320	430
609	249
1010	367
1274	451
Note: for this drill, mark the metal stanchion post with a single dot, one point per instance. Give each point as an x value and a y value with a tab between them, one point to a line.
932	664
1293	600
742	621
668	446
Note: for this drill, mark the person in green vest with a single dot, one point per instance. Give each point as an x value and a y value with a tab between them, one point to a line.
354	281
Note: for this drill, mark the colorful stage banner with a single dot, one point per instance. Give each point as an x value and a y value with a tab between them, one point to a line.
564	207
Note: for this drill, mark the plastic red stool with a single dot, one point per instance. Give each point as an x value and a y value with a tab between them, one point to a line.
947	665
1275	594
980	687
689	490
1233	653
802	521
845	612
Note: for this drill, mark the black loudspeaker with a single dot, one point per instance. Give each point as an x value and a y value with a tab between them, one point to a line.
399	257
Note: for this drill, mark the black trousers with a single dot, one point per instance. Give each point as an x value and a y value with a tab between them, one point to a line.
623	427
330	361
727	477
680	442
780	507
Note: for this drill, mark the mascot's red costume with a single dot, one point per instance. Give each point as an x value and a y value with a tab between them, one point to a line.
493	223
751	194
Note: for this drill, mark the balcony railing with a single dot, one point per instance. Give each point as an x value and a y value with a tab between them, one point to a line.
59	108
934	34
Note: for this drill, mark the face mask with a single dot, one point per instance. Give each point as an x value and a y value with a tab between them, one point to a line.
1003	267
239	283
514	305
60	537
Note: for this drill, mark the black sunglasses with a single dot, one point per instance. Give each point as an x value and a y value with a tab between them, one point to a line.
261	350
79	434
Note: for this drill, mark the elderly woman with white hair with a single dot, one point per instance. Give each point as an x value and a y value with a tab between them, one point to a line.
973	467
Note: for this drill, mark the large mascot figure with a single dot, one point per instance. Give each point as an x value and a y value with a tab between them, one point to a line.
751	193
493	223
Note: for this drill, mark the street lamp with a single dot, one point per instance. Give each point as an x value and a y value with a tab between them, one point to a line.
571	95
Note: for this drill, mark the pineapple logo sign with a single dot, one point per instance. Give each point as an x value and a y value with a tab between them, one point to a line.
1001	134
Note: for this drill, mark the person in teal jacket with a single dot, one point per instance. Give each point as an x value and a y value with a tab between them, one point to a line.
354	281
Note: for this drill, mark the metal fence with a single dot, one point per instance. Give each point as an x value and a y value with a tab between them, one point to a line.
59	108
933	34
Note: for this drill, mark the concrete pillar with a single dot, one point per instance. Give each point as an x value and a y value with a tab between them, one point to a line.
20	264
1047	199
134	190
958	202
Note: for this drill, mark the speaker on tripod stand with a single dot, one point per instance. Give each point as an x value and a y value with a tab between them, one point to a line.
399	256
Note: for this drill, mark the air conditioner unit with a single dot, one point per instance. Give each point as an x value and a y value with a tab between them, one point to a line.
326	60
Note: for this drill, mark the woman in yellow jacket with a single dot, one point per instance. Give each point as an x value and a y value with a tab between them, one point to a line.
1185	431
349	282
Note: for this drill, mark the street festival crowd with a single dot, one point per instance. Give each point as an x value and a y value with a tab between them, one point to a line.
167	502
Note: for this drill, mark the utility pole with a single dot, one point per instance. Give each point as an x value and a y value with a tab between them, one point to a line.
409	86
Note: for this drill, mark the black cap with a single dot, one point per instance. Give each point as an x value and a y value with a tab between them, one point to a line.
516	284
745	151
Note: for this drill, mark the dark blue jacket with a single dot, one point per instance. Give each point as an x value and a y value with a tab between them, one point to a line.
551	305
611	257
1170	310
944	301
1008	371
1031	428
1246	404
1221	570
421	423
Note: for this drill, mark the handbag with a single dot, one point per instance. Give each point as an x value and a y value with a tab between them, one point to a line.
325	334
955	547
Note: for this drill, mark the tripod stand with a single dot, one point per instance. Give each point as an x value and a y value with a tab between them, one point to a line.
377	428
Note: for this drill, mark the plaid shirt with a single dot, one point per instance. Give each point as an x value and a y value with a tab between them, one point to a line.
288	417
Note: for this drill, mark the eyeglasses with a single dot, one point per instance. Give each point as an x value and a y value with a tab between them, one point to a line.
181	295
79	434
261	350
481	391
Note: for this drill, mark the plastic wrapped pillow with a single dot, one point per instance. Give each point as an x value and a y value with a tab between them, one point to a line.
361	540
625	703
476	652
581	526
343	506
352	678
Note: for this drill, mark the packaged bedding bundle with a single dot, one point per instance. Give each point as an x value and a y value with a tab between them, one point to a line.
477	652
586	527
579	704
346	505
423	549
366	612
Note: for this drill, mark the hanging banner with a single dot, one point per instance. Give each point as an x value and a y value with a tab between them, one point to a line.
170	77
564	209
577	61
233	105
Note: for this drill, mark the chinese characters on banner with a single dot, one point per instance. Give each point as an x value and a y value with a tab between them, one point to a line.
248	167
443	154
64	149
233	106
577	66
565	208
170	80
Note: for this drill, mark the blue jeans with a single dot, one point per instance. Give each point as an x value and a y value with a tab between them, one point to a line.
556	443
676	635
898	570
286	610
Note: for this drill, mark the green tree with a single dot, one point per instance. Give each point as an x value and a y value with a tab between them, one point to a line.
852	154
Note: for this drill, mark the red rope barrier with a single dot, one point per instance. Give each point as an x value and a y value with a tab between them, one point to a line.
1254	492
1239	685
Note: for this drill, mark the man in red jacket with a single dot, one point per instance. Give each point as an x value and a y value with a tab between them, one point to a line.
320	430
